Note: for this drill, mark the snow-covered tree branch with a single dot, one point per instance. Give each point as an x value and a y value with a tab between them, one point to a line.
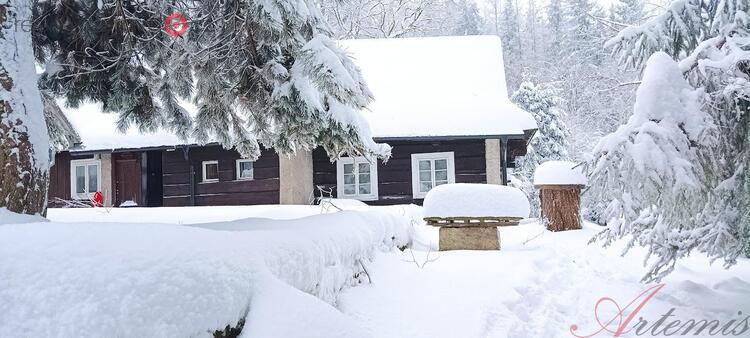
676	174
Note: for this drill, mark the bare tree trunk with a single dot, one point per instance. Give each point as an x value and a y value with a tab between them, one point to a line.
24	142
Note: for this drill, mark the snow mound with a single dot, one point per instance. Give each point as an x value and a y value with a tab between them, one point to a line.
559	173
9	217
159	280
346	204
475	200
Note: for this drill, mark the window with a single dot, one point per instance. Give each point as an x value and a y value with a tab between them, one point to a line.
244	169
84	178
357	178
210	171
430	170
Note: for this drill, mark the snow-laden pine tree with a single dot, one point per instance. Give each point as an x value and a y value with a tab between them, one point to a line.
676	174
510	35
24	142
469	22
258	71
555	26
548	144
627	12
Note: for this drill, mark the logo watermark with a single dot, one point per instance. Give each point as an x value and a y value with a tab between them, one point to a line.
176	25
666	325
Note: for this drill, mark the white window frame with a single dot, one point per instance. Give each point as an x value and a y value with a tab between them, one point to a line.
415	158
373	196
86	195
203	171
237	170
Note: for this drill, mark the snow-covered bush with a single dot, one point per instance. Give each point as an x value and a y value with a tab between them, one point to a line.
475	200
157	280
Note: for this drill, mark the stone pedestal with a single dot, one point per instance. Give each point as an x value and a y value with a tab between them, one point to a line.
469	238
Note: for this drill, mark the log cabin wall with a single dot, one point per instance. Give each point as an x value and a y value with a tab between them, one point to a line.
263	189
59	177
395	177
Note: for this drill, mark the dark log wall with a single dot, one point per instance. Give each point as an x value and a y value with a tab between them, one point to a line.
394	177
264	189
126	178
59	177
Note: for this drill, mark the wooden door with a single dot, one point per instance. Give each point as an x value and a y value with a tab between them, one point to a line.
127	176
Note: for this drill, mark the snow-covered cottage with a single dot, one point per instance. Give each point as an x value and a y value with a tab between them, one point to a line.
440	102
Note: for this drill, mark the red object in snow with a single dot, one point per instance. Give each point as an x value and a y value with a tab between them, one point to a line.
98	200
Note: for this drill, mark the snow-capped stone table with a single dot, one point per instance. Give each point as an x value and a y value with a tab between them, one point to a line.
559	184
468	214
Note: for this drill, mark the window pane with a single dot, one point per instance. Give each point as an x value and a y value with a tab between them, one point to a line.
348	168
80	179
425	165
349	179
364	167
212	171
364	189
364	178
437	183
425	176
441	164
425	186
246	169
350	189
93	178
441	175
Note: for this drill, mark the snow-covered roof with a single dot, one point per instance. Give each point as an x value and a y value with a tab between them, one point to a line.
423	87
438	86
559	173
98	130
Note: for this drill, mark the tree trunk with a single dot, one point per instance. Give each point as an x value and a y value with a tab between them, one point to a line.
24	142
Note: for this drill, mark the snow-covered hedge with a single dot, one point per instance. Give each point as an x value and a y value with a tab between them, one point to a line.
559	173
475	200
147	280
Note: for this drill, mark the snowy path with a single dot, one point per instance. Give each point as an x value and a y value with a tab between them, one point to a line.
537	289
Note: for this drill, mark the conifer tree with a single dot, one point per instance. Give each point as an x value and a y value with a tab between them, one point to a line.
258	71
24	142
555	23
550	141
469	21
676	175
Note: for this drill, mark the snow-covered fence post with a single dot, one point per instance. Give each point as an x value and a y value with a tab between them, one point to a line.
24	142
559	184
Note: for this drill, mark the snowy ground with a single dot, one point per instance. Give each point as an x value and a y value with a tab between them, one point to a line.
538	285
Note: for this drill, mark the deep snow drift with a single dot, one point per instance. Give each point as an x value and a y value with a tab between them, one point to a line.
152	279
160	280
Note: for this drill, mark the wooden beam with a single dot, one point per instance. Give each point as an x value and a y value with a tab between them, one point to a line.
504	159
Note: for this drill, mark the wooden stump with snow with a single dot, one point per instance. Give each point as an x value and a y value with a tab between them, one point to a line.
559	184
468	214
